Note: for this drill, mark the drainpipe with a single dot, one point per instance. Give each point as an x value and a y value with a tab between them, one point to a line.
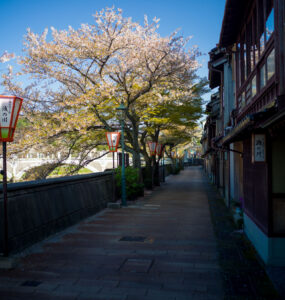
221	98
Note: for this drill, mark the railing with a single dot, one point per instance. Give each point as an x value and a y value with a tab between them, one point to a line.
267	96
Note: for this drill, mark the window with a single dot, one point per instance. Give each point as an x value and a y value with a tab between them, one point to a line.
268	69
244	61
249	53
243	99
271	64
255	61
269	25
238	65
248	93
254	37
260	26
262	76
265	23
262	43
253	86
252	54
239	102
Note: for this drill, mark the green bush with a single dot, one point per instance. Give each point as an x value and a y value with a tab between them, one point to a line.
134	189
176	170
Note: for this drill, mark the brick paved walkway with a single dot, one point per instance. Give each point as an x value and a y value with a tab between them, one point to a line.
161	247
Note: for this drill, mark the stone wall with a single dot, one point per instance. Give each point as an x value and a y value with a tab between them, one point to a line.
37	209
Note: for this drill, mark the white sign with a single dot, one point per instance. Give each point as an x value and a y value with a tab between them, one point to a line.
5	112
259	148
114	137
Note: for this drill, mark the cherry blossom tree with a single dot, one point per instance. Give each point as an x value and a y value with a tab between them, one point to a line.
81	76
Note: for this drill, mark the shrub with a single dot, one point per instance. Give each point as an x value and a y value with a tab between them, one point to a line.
176	170
134	189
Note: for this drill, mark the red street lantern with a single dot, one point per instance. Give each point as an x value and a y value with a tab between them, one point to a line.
9	112
113	139
159	149
152	148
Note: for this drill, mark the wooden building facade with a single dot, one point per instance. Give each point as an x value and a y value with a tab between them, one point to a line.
249	70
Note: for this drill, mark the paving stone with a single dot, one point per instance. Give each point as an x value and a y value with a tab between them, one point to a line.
77	289
136	265
167	293
47	287
136	284
140	291
89	262
55	295
199	286
130	297
85	283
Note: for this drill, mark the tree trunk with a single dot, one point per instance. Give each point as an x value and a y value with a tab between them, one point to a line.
173	165
136	154
148	176
156	179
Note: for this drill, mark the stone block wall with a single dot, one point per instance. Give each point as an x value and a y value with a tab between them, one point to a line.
37	209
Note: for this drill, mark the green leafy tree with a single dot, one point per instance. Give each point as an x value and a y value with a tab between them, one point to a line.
82	75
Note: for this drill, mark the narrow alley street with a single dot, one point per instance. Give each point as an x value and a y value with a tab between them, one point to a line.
160	247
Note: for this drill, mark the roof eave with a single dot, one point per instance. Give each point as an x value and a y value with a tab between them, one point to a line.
233	18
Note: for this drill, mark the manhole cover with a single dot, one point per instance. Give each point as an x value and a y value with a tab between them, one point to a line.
133	239
136	265
31	283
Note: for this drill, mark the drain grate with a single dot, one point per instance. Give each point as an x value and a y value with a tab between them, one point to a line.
31	283
133	239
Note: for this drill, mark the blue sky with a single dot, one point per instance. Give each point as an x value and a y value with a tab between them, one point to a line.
201	19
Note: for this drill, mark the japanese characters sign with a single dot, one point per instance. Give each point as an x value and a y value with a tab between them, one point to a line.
258	148
9	112
5	112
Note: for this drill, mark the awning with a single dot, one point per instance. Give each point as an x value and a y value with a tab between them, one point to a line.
277	118
237	131
250	122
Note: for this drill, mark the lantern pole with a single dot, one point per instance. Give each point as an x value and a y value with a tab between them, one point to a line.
5	199
10	108
163	176
124	202
122	114
176	161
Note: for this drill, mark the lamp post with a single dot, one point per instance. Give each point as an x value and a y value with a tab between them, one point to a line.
122	115
9	112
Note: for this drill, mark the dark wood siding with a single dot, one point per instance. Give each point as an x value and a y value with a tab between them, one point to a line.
255	188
